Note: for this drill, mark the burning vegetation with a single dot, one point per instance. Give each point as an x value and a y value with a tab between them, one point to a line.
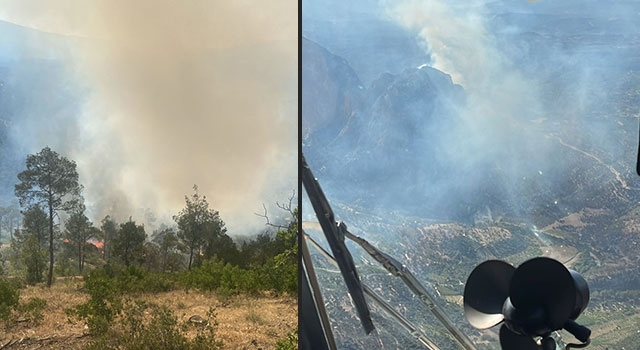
126	278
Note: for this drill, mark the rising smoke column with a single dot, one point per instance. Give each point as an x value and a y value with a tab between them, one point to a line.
495	143
460	44
179	93
540	88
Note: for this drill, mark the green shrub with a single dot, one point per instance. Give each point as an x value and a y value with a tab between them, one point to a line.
230	277
17	282
107	285
288	272
137	280
278	274
9	297
157	283
249	281
103	305
134	279
34	258
288	343
205	277
160	330
32	309
132	319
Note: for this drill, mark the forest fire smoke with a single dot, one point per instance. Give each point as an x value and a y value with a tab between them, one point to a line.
197	93
498	94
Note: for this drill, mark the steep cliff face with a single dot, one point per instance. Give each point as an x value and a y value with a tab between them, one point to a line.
389	141
332	93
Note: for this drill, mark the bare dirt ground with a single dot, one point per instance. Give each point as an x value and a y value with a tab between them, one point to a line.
244	322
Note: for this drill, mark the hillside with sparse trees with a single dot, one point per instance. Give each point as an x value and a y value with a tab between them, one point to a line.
112	269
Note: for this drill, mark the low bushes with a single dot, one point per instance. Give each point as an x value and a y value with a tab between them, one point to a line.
215	275
122	323
9	297
288	343
11	309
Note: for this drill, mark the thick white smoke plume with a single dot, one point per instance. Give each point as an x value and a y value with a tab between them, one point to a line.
540	90
460	44
174	94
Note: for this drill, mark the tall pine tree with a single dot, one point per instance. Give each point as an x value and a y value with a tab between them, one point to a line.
50	181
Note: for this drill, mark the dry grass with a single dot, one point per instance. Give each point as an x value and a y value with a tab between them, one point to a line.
54	331
244	322
276	316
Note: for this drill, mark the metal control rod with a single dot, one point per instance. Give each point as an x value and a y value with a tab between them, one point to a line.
315	331
400	270
406	324
335	237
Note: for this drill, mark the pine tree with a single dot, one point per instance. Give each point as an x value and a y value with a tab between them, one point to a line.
51	181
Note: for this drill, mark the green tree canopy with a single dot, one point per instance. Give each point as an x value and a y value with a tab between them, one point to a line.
128	245
10	218
34	258
28	244
167	242
50	180
36	223
78	230
109	229
199	227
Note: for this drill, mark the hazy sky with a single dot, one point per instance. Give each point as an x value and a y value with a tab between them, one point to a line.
170	94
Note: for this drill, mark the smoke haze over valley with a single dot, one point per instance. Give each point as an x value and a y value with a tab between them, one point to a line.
150	98
448	133
525	102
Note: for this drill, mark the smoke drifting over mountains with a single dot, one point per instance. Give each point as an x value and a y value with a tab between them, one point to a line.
168	95
495	124
540	78
545	105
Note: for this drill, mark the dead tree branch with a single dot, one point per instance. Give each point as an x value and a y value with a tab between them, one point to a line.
288	207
